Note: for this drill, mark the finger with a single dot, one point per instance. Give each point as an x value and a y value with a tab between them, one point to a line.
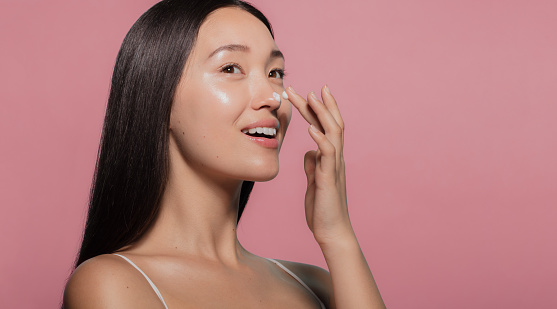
327	161
332	130
324	115
309	166
302	106
331	105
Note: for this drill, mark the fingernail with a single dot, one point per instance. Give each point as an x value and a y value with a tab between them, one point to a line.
314	129
284	95
312	94
291	89
327	89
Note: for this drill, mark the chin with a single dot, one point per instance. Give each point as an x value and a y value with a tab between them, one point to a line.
263	174
264	179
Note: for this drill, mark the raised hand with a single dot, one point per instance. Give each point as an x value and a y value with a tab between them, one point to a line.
352	283
325	201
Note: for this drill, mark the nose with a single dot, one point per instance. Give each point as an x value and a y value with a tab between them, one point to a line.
267	97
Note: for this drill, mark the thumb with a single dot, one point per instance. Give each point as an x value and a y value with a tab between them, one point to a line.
309	166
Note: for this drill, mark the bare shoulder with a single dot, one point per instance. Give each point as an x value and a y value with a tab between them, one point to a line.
316	278
108	281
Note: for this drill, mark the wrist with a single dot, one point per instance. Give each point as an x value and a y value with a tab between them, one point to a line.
339	240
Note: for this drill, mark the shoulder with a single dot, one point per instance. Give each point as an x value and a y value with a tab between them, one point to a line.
108	281
316	278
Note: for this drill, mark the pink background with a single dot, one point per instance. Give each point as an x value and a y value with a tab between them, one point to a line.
451	143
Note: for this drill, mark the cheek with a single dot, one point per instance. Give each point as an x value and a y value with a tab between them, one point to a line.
211	103
207	111
223	93
285	114
221	96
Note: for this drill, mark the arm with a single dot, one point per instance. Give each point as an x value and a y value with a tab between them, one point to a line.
326	207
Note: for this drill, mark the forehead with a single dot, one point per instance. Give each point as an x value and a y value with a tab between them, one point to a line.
232	25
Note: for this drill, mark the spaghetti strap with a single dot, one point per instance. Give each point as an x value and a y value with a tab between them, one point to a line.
148	280
298	279
274	261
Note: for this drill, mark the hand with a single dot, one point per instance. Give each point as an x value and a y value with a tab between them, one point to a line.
325	200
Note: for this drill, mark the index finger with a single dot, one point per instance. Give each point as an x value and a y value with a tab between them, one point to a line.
303	107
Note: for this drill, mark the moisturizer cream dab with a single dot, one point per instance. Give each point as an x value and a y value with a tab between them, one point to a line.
284	95
276	96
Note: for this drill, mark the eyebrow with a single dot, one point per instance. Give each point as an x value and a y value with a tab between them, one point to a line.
277	54
230	47
243	48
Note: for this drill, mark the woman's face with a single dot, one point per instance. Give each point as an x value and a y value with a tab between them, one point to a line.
227	88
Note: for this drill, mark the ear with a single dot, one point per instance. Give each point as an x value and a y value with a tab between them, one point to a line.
170	122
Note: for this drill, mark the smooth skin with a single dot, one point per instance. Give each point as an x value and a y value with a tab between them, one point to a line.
191	252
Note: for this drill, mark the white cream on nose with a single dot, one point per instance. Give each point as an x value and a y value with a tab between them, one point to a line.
276	96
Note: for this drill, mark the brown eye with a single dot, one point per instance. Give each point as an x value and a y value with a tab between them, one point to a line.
276	74
231	69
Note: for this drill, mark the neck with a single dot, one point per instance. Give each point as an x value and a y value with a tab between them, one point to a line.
197	216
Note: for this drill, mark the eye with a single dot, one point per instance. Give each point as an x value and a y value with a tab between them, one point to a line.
277	73
231	69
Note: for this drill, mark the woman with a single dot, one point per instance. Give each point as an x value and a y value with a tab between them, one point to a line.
197	112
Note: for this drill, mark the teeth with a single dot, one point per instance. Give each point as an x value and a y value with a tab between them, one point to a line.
261	130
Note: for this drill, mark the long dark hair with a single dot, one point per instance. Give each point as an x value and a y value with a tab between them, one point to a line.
132	162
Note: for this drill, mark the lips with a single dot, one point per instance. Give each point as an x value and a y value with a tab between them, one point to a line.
263	132
266	128
263	123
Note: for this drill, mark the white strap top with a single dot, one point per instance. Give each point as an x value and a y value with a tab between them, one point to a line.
274	261
148	280
299	280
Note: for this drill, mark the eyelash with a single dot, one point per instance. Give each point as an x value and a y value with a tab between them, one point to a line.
231	65
280	72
